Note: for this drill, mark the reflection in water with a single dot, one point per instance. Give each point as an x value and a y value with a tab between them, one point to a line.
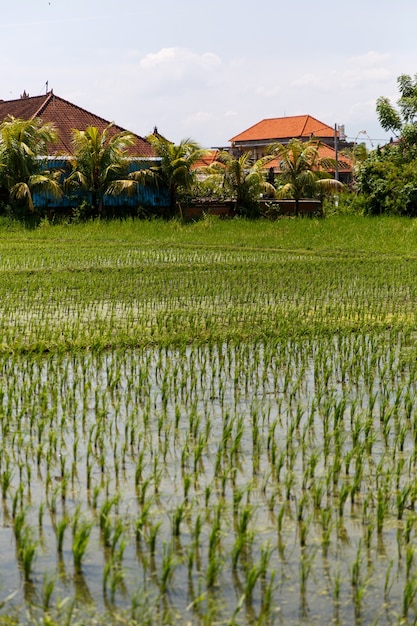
82	591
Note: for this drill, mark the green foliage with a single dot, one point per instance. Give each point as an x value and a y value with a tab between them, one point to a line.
402	122
22	143
301	172
240	179
346	203
176	170
388	183
388	177
80	541
99	164
209	188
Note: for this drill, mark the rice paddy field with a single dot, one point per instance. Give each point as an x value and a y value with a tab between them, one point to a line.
212	423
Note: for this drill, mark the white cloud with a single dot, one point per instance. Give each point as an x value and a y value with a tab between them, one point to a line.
355	73
190	93
370	59
267	91
309	80
175	73
180	60
200	117
189	82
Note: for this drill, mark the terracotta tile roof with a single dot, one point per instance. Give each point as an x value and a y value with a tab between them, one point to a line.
276	128
65	116
324	152
209	158
327	152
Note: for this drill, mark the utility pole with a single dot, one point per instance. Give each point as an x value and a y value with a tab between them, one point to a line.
336	154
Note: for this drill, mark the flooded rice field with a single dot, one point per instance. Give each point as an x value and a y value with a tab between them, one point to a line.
255	483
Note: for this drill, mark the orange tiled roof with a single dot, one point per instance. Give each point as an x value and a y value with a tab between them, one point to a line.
208	159
324	152
276	128
327	152
66	117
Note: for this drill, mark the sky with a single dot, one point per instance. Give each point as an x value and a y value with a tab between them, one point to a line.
210	70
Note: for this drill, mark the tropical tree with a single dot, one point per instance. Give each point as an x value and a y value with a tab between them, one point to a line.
23	171
100	163
387	178
388	183
302	171
242	180
401	121
356	156
177	167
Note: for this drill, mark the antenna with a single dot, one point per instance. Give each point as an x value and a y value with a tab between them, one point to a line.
47	82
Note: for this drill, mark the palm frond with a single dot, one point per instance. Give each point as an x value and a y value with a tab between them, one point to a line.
121	186
330	185
21	192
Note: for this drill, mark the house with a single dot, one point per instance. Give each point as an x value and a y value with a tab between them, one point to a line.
209	157
258	138
65	116
344	169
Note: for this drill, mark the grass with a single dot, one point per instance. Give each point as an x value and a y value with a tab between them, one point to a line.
345	234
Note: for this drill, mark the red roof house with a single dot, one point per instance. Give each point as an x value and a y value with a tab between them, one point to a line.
65	116
281	130
345	164
260	136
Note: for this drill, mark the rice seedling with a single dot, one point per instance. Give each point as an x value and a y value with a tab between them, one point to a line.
6	479
168	566
61	527
48	586
304	527
409	593
358	582
113	576
152	535
80	542
306	564
409	527
105	519
26	549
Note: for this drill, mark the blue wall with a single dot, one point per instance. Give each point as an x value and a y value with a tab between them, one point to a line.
145	195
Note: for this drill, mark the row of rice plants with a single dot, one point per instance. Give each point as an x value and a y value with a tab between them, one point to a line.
205	433
220	482
176	296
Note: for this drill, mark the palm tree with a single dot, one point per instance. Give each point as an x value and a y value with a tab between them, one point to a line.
242	180
99	164
177	168
22	170
301	170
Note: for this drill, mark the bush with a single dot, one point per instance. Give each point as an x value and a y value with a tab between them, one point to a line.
389	184
346	204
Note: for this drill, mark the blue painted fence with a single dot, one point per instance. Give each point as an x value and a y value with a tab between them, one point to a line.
146	195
